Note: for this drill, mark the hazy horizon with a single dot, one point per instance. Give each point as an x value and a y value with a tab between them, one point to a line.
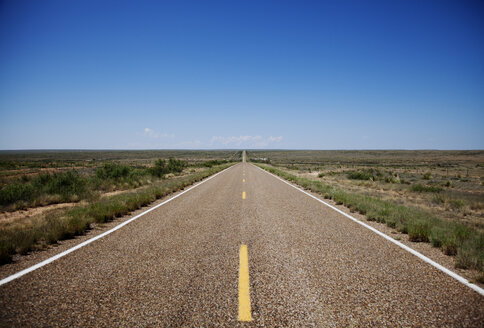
224	149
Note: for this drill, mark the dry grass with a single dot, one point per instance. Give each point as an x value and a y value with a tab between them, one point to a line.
32	179
102	185
452	237
35	232
448	184
432	196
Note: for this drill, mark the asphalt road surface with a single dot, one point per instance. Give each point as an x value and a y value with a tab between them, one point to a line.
242	246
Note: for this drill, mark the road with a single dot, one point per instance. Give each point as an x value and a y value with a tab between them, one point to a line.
182	265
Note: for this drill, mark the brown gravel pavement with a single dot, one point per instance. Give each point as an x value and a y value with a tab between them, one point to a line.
177	266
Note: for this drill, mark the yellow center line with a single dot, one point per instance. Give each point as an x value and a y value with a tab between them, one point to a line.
243	180
244	293
243	195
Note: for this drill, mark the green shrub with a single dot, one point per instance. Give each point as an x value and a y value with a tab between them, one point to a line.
66	184
113	171
12	193
391	179
370	174
418	231
421	188
162	167
175	165
457	203
159	170
214	162
439	199
470	253
6	249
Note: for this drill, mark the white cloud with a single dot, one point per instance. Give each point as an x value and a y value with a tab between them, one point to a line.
244	141
275	139
191	144
153	139
151	133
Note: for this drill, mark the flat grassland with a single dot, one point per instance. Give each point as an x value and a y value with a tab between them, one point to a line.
47	196
433	196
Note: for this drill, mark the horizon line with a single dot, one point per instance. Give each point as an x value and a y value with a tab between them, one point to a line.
235	149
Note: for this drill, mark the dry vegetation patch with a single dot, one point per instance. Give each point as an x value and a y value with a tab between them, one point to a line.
433	196
50	196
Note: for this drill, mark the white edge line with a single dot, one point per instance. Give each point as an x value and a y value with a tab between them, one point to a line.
399	244
70	250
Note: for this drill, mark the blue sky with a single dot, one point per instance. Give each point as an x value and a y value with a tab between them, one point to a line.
86	74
